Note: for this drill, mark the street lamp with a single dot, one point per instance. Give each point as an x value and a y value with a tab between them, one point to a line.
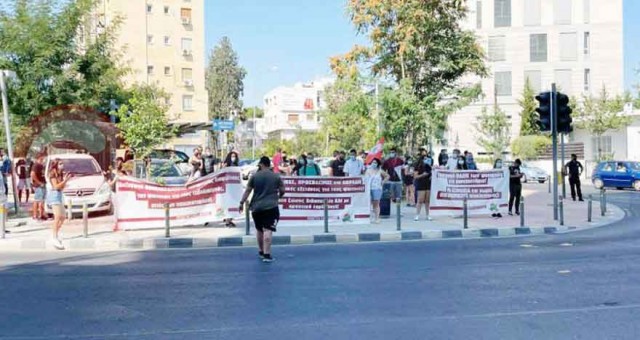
5	108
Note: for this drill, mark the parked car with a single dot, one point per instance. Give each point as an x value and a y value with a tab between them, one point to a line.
244	162
325	165
248	169
617	174
88	184
162	171
532	173
179	157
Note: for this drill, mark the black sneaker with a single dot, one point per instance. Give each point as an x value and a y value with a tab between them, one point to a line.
499	215
261	254
510	213
581	200
267	258
518	213
494	215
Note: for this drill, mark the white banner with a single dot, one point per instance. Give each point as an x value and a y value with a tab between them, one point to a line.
487	192
140	204
348	200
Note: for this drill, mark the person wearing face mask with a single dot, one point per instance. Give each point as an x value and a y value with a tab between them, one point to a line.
452	162
461	163
422	178
231	159
208	160
393	167
375	178
515	186
471	163
353	167
336	167
408	182
196	165
443	157
310	168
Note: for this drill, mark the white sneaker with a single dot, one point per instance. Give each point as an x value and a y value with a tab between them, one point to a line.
417	218
429	218
57	244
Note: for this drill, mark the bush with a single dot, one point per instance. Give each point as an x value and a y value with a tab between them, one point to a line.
529	147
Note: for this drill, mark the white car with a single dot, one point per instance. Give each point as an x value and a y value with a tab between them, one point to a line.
88	184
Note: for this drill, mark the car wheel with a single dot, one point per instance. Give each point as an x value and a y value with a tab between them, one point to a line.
636	185
619	188
598	183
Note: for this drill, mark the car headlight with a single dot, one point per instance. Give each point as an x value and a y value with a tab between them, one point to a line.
105	189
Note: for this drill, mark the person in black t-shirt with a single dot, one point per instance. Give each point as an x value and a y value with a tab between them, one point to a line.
337	165
515	186
574	169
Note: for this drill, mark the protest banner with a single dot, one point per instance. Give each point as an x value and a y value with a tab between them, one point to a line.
487	192
139	203
303	204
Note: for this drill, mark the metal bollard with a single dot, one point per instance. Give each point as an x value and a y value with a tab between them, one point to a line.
326	216
398	217
465	213
549	181
561	209
522	211
602	207
604	200
3	220
85	220
247	220
589	208
167	218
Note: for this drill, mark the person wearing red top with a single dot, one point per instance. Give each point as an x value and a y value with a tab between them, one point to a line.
277	159
395	179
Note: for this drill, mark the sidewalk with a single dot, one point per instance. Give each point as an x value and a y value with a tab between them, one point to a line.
29	235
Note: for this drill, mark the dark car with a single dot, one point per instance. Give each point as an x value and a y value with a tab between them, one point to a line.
617	174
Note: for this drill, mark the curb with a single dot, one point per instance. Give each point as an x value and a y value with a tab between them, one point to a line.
88	244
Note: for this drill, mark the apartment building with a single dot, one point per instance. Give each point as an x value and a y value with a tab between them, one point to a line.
164	44
578	44
288	109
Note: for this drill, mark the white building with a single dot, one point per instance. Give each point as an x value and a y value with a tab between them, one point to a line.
289	109
578	44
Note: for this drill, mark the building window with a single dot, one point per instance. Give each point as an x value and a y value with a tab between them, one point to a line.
149	8
563	81
186	44
535	80
167	40
185	15
532	13
568	46
603	145
587	11
293	119
538	47
587	43
503	83
150	69
479	14
166	10
187	103
497	48
167	70
562	12
187	74
587	80
502	13
149	39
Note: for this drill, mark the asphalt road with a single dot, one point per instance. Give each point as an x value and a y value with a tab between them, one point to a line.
574	286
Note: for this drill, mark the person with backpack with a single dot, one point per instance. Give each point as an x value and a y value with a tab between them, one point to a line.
310	168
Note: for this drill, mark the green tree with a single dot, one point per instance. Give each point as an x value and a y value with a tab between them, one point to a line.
417	40
143	121
529	147
224	80
528	115
493	131
307	141
348	119
597	115
55	62
247	112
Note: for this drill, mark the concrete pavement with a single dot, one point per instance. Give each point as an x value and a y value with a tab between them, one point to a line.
538	220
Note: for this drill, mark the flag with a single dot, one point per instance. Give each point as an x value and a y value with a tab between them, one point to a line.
375	152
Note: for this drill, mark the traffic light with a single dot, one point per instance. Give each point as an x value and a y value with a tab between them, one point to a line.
564	113
544	111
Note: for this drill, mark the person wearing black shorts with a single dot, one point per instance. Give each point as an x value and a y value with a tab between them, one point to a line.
267	188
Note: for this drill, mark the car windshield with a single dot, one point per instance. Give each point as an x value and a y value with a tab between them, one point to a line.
244	162
168	154
634	165
86	167
164	169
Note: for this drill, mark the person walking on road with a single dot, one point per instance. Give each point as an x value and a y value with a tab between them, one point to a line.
393	167
422	177
58	180
267	188
515	186
574	169
375	177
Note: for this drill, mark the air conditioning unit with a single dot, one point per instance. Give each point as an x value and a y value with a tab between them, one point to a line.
188	83
186	53
186	21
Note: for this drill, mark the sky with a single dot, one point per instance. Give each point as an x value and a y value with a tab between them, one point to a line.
281	42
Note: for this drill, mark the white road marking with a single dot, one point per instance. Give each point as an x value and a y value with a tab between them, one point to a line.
565	271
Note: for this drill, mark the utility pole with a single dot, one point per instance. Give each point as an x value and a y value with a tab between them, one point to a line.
7	129
253	140
378	111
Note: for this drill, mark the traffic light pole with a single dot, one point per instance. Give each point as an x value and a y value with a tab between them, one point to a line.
562	163
554	142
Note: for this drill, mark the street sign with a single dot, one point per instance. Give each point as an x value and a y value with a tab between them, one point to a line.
223	125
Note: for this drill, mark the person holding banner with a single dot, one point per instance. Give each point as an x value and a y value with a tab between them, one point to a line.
393	167
375	177
422	177
515	186
267	188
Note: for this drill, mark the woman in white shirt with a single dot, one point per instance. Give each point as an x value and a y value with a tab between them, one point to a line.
375	177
